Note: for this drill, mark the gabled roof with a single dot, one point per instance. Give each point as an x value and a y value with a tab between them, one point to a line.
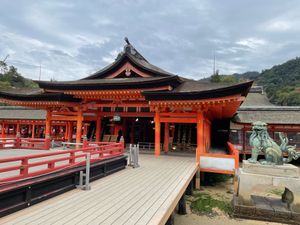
129	54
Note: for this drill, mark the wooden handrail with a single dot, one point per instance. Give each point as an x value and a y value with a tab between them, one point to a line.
97	150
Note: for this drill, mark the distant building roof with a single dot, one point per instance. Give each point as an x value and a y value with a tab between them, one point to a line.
20	113
270	115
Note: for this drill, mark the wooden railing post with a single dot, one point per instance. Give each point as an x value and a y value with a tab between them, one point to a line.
24	167
72	158
85	143
122	144
47	142
18	141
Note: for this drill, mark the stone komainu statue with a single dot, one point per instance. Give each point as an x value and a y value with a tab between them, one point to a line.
261	142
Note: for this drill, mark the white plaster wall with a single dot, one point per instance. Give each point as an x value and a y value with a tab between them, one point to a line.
216	163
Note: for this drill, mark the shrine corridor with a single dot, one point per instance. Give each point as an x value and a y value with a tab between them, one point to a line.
145	195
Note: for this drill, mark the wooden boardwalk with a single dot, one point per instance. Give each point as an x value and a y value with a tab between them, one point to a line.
145	195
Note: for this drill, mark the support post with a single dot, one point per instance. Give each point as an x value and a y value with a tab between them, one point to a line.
48	124
200	141
197	181
70	131
98	128
157	133
182	206
2	131
200	145
33	131
18	129
79	126
166	137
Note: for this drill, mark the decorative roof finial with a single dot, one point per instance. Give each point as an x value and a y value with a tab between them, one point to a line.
127	41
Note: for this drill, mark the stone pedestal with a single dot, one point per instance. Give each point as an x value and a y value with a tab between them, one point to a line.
266	181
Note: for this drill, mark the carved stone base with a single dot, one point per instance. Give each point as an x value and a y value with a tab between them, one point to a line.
286	170
268	181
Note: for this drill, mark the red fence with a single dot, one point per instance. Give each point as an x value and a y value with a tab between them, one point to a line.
25	143
220	163
22	167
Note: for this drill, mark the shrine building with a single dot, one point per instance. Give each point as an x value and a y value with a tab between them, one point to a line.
130	99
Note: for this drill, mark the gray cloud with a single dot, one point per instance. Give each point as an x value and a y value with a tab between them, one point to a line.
71	39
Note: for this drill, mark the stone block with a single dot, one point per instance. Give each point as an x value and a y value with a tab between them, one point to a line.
286	170
247	211
296	217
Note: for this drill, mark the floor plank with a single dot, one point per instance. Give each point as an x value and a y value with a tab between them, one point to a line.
145	195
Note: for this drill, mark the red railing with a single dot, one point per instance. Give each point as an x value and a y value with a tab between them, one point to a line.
234	152
23	167
25	143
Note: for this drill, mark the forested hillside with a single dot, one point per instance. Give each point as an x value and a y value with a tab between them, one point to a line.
281	82
10	78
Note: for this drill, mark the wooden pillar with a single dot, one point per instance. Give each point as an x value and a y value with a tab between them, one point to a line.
79	126
33	131
98	128
66	131
18	129
200	145
48	125
2	131
200	135
166	138
85	130
70	131
157	133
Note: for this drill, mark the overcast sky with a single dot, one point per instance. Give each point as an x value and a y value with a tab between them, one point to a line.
72	39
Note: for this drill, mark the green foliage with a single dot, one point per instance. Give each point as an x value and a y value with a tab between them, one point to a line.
212	179
9	77
205	203
215	78
282	83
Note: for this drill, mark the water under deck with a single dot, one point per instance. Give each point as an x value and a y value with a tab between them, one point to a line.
145	195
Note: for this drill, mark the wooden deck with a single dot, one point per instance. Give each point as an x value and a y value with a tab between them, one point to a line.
145	195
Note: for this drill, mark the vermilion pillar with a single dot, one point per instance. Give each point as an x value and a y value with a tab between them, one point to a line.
2	131
79	126
48	124
166	138
70	131
200	135
200	144
32	130
98	128
157	133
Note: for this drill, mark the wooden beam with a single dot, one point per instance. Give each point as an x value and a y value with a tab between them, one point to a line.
64	118
157	133
177	120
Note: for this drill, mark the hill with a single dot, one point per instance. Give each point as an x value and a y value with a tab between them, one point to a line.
281	82
11	79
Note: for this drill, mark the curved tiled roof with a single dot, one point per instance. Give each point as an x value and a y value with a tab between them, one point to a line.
270	115
116	83
197	90
132	55
39	97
